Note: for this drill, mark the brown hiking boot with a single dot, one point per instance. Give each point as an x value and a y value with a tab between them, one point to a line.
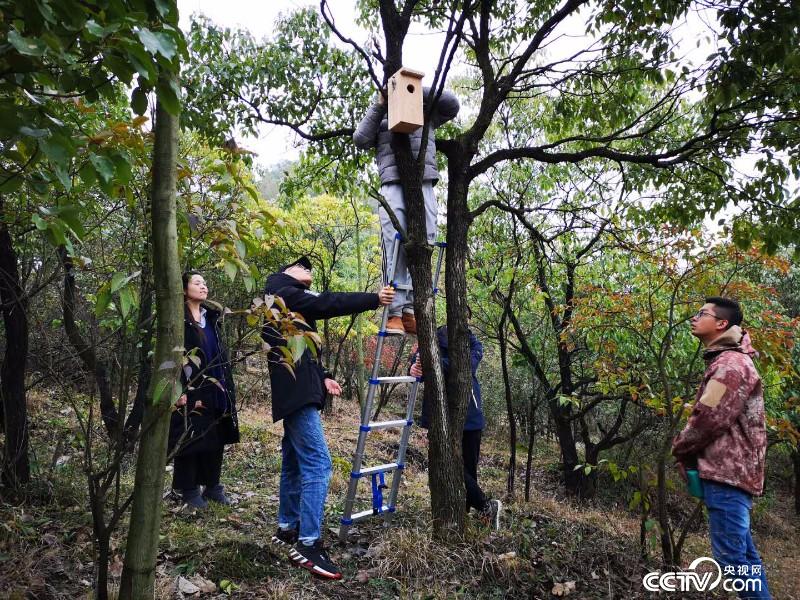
409	323
394	326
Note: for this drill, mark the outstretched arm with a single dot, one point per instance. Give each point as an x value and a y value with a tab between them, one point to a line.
326	305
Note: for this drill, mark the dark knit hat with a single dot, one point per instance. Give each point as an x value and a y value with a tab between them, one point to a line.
303	261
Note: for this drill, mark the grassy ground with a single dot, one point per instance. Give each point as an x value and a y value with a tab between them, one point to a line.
545	545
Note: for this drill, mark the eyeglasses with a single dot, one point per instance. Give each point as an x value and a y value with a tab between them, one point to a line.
703	313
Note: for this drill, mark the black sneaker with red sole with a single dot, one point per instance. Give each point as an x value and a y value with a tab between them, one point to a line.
285	538
314	558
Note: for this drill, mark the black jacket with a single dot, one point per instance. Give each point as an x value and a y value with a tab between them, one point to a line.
291	392
206	428
474	420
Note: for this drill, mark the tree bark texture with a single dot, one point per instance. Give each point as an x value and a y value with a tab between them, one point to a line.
145	370
16	465
86	351
138	574
446	479
512	423
796	462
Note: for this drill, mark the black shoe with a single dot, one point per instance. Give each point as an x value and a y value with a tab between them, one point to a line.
285	538
217	494
314	558
491	514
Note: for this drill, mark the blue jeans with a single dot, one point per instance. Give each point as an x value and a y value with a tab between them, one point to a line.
305	474
731	543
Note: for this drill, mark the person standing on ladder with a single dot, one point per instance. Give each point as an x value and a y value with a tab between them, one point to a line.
373	132
297	398
488	509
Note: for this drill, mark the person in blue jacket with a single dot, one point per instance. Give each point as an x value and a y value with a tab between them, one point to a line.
297	397
488	508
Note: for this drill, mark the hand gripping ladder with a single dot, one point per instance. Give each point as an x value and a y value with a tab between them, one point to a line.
377	473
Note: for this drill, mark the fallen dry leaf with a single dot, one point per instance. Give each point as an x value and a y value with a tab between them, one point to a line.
362	577
187	587
206	585
563	589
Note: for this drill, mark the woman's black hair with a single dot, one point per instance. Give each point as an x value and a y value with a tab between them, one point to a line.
187	277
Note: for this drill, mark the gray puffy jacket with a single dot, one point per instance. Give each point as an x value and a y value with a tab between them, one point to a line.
373	131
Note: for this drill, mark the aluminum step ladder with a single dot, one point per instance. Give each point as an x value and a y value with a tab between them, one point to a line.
377	473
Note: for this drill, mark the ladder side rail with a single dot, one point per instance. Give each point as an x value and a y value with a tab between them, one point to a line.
366	411
401	451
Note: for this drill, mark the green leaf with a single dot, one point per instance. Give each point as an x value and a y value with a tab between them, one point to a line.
230	269
158	42
227	586
120	280
26	46
40	223
169	95
88	174
11	184
126	300
98	31
104	167
120	67
140	60
139	101
34	133
58	149
56	233
63	176
163	6
70	215
103	300
297	346
161	386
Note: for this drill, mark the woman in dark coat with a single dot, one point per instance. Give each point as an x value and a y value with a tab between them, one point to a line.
205	418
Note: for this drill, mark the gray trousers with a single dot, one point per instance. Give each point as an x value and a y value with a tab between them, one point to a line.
393	192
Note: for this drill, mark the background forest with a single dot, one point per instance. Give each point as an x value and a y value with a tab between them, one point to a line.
614	162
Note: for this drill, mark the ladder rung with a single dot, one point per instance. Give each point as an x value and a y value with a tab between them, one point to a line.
365	514
388	424
379	469
398	379
402	286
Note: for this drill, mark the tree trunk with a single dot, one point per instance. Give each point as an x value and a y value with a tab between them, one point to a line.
796	461
529	459
512	424
360	372
446	479
145	374
86	351
588	483
566	443
138	574
16	466
667	548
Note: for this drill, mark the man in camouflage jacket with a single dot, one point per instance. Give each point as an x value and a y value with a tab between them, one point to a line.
725	439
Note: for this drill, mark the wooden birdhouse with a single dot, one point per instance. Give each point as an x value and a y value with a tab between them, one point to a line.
405	101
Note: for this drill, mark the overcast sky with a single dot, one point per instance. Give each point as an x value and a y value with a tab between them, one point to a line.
276	143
